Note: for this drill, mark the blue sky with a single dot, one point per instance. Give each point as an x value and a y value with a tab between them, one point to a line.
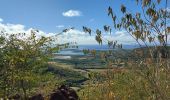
51	16
47	14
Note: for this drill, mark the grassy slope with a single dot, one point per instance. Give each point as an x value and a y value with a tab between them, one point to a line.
65	71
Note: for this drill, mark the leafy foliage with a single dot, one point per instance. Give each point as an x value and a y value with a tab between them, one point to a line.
22	56
147	74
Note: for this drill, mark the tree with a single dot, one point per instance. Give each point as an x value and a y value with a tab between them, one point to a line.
150	28
21	57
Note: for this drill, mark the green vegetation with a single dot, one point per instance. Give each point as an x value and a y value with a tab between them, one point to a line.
28	65
23	60
71	77
147	70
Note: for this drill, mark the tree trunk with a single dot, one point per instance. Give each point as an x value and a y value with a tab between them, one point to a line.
24	90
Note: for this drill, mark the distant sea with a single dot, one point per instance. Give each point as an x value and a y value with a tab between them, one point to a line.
73	51
104	47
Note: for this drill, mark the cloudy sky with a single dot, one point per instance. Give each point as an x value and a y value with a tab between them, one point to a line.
51	16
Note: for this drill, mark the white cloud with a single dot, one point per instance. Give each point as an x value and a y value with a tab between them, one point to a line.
72	13
168	9
70	36
73	35
76	36
18	28
12	28
121	36
60	26
84	38
1	20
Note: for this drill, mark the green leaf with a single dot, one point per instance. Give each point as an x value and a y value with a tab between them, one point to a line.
87	30
146	3
98	32
99	39
161	38
168	29
123	9
110	12
151	12
106	28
